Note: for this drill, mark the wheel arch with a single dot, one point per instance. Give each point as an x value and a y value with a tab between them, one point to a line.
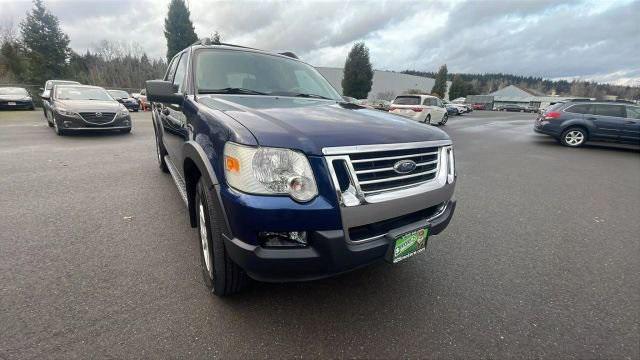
196	165
578	123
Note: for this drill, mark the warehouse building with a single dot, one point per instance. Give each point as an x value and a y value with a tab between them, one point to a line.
385	83
514	95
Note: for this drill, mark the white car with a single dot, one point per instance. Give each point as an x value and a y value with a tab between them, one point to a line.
423	108
462	109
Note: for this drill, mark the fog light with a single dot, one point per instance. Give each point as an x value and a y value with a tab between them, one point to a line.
66	124
126	122
283	239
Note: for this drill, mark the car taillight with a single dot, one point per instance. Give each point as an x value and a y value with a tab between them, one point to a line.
552	115
391	108
417	109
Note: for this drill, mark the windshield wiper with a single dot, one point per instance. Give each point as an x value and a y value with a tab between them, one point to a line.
231	90
315	96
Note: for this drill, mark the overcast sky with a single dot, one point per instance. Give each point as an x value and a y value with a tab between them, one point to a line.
588	39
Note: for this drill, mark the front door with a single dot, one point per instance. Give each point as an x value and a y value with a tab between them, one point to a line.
173	119
632	128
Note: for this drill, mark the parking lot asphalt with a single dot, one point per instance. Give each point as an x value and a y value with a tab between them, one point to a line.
97	259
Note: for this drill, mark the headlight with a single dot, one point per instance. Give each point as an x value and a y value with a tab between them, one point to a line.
66	112
122	112
269	171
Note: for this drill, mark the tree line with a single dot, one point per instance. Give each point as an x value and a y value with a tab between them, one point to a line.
40	51
475	84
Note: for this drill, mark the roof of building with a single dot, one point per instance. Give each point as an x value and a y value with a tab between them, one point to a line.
512	91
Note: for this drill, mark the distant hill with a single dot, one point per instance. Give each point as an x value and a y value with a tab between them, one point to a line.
487	83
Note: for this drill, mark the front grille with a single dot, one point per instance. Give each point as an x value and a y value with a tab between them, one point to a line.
98	117
375	173
381	228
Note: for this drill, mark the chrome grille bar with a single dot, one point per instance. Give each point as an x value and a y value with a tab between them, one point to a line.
393	157
391	168
376	181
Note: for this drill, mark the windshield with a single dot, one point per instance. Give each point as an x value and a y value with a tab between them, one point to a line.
258	74
13	91
81	93
118	94
407	100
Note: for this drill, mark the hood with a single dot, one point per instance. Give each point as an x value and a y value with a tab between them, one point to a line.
14	97
312	124
89	105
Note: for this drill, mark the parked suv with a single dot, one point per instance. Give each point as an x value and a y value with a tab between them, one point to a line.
574	123
423	108
283	179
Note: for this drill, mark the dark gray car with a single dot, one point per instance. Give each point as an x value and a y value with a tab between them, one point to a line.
575	123
83	107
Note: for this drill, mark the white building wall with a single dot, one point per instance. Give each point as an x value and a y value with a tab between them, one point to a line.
383	81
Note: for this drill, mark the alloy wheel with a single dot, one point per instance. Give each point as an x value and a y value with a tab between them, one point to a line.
206	254
574	138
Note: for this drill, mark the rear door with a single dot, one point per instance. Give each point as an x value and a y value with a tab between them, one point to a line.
632	128
440	109
609	120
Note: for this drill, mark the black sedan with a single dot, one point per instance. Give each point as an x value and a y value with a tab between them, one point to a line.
83	107
125	99
15	98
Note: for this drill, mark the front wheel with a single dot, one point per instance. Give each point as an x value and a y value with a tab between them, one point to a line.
427	120
57	129
221	275
573	137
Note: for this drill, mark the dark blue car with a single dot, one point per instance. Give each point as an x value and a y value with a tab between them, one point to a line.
283	179
575	123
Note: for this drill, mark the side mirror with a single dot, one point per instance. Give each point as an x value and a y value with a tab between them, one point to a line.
45	97
163	92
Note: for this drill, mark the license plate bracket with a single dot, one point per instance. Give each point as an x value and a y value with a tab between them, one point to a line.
405	243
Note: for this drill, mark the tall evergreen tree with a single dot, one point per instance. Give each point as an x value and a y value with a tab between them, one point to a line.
358	72
46	46
458	88
440	86
178	28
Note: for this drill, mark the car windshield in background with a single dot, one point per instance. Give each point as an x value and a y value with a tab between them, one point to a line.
50	84
81	93
243	72
13	91
118	94
407	100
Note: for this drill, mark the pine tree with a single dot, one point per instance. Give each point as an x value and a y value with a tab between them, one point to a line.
178	28
458	88
440	86
358	72
215	38
46	46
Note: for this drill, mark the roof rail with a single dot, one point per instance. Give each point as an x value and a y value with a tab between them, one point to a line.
209	41
607	101
289	54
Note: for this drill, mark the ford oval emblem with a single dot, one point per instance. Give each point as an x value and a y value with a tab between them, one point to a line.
98	114
404	166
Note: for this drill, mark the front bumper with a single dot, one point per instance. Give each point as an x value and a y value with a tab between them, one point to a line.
329	253
16	105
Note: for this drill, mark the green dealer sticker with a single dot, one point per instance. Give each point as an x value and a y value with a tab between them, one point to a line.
410	244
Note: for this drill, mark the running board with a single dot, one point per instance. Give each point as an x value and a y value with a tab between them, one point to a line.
175	174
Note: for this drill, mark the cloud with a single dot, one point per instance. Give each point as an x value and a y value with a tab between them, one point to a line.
589	39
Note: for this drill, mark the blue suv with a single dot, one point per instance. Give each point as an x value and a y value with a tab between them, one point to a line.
575	123
283	179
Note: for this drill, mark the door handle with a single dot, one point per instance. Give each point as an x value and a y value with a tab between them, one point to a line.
165	111
629	122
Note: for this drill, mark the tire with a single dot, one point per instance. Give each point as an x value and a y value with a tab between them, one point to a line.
160	154
444	119
221	275
427	120
49	123
574	137
57	129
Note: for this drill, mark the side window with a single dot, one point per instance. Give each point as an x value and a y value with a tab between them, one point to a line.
181	70
610	110
581	109
438	102
428	102
633	112
171	70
